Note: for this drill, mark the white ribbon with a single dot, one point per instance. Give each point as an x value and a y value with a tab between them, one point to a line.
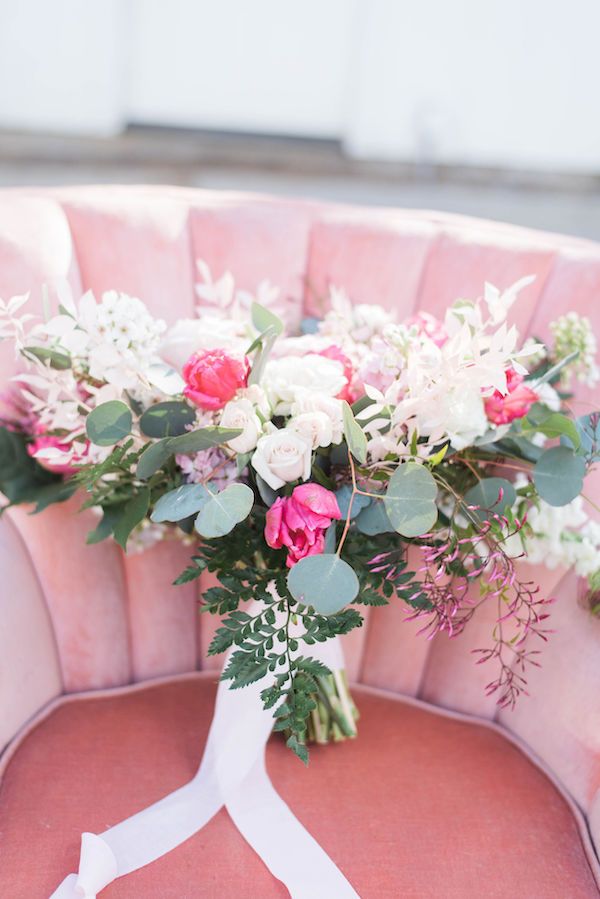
232	773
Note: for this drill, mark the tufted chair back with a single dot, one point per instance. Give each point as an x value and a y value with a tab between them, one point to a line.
77	618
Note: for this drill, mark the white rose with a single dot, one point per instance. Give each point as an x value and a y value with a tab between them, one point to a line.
190	335
240	413
465	416
282	457
313	427
285	378
328	405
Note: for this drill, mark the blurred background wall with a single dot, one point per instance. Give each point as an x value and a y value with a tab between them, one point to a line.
482	107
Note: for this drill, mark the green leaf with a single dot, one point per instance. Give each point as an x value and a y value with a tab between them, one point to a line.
354	434
359	502
265	320
588	428
48	494
154	457
169	419
60	361
195	441
551	374
485	494
104	529
297	748
180	503
374	519
109	423
552	425
558	475
222	511
133	512
267	494
325	582
410	500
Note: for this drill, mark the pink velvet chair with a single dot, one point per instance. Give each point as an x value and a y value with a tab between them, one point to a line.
102	663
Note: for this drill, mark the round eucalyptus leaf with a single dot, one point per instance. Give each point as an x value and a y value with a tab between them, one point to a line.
169	419
410	500
374	519
359	502
486	494
558	475
222	511
325	582
180	503
109	423
154	457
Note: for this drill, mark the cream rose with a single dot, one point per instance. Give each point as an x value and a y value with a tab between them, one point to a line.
282	457
240	413
285	378
330	406
191	335
313	427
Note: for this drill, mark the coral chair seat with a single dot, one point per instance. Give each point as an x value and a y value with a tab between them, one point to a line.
106	692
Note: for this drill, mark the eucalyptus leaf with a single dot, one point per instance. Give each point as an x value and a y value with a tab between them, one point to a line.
410	500
354	434
222	511
169	419
104	528
359	502
134	511
180	503
195	441
374	519
154	457
588	428
109	423
486	494
325	582
558	475
330	538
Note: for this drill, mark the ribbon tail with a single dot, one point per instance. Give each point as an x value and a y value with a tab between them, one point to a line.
285	846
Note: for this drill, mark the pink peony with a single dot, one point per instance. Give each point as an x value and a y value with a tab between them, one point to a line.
213	378
299	521
501	409
48	441
334	352
430	326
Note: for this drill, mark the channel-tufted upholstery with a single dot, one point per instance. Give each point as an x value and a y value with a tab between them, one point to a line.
78	618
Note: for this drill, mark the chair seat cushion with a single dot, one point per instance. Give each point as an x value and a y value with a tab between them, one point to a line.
420	805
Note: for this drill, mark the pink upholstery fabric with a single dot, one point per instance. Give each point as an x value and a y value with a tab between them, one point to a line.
116	620
421	805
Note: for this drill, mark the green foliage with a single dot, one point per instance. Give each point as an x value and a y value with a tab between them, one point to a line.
108	423
22	478
486	494
220	513
410	500
354	434
54	358
324	581
169	419
558	475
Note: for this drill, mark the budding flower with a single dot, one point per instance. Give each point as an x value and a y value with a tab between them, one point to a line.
573	333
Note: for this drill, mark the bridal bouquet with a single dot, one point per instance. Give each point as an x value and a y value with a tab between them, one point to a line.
362	462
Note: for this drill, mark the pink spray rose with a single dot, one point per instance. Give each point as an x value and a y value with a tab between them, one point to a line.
213	378
430	326
347	392
299	521
502	409
48	441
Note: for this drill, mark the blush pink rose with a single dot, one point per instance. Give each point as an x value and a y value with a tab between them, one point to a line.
430	326
299	521
213	378
348	392
501	409
48	441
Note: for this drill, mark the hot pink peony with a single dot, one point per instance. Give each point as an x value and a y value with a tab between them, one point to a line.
334	352
213	378
299	521
502	409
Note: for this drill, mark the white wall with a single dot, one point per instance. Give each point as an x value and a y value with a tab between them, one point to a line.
62	65
500	82
512	83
